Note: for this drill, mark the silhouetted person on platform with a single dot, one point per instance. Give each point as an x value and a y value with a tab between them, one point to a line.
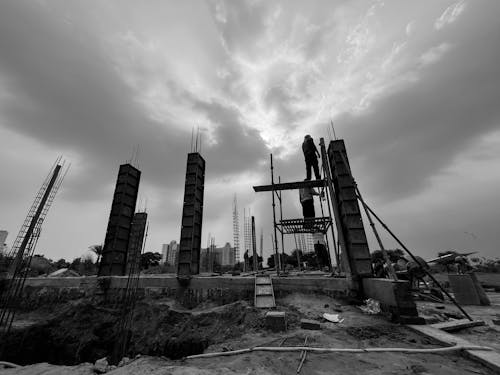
310	151
307	202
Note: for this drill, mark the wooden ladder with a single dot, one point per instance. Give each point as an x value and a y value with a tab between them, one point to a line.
264	293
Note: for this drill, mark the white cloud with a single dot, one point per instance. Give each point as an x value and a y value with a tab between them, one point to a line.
435	54
410	28
450	15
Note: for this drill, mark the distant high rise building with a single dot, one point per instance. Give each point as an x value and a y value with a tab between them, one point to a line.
164	251
222	256
170	252
309	242
227	258
3	239
236	230
173	251
305	242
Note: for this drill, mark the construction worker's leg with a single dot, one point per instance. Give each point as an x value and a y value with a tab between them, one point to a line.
308	210
316	169
308	169
305	211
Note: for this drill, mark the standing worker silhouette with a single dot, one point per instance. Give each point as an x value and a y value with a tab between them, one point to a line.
310	151
307	201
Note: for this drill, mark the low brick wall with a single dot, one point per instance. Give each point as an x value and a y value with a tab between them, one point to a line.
219	289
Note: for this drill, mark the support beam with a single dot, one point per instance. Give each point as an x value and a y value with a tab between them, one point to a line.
290	185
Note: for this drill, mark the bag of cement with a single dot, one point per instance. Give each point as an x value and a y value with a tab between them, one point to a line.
371	306
334	318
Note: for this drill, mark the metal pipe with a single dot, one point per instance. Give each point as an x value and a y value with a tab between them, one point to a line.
281	231
254	246
326	233
277	261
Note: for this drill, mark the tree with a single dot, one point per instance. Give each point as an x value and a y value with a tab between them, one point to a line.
283	258
97	250
250	261
40	265
61	263
292	260
270	261
84	266
5	262
150	259
310	259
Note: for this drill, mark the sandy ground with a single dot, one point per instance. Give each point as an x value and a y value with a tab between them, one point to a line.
358	330
488	335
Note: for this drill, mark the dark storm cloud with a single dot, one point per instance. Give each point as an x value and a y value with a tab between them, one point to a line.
93	80
408	137
237	148
67	95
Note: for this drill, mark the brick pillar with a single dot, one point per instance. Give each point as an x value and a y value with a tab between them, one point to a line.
114	255
192	215
357	253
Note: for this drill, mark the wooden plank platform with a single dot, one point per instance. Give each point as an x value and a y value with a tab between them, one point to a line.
264	293
290	185
456	325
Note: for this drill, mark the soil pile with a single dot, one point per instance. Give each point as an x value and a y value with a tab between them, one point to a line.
85	332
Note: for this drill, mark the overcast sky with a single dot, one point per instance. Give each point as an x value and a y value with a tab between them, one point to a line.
412	86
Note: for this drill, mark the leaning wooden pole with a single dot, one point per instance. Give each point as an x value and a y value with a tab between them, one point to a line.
416	260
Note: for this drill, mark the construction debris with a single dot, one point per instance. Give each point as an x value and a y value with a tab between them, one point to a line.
334	318
276	321
310	324
371	306
456	325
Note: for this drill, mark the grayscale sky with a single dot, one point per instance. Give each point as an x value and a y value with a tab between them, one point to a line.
412	86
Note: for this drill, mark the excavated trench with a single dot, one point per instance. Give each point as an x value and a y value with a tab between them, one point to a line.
85	332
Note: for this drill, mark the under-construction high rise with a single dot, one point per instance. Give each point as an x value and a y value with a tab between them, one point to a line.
236	231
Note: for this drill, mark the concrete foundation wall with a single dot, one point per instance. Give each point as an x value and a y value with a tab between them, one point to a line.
40	291
394	296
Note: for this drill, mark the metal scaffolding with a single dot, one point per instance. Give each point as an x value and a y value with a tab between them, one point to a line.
300	225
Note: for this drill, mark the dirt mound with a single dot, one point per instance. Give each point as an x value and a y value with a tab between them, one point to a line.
85	332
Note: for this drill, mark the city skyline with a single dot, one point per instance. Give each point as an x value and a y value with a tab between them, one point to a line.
412	87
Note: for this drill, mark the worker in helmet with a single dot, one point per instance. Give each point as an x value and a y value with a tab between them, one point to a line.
311	156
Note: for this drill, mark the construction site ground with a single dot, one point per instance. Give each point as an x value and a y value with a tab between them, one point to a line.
72	337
